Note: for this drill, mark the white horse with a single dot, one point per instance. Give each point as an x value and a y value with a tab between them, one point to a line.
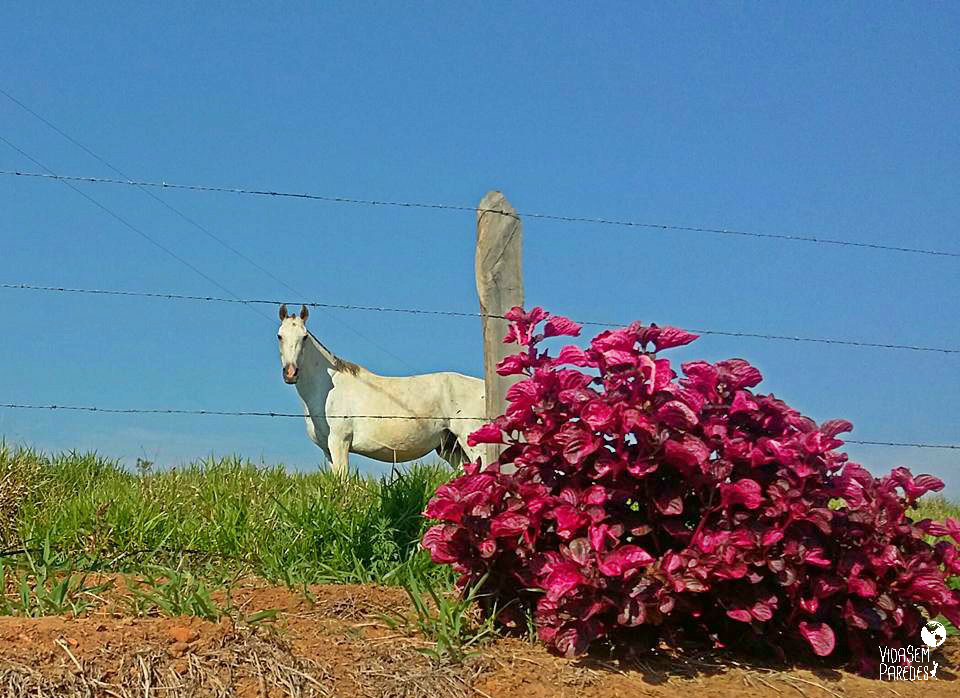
349	409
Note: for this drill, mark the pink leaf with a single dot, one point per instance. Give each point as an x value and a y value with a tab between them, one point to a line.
564	578
569	520
577	443
771	536
619	357
745	492
862	587
560	326
596	414
835	426
820	636
598	536
737	374
623	559
571	640
573	355
687	453
524	392
437	540
508	524
513	365
669	502
487	434
444	509
672	337
677	415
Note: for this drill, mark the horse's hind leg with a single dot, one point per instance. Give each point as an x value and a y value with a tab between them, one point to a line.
469	453
449	449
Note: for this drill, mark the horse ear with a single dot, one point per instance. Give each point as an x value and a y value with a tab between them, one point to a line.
283	312
304	313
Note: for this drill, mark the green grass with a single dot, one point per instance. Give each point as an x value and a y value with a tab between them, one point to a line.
454	624
217	517
165	591
38	586
936	507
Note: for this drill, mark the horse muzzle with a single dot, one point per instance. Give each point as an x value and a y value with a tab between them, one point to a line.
290	374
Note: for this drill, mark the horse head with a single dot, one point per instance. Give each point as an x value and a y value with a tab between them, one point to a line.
292	334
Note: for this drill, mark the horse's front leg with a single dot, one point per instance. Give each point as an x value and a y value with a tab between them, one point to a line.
339	447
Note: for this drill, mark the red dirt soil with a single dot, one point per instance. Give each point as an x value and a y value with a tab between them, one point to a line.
337	644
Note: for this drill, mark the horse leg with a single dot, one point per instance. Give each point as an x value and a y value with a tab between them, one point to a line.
450	450
464	429
312	434
457	446
339	447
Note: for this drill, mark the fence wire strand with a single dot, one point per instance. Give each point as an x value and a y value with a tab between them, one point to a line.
242	413
463	314
218	413
459	207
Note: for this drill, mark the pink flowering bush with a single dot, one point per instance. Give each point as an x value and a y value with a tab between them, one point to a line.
634	504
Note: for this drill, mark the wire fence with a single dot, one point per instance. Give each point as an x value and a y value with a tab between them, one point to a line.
417	311
461	314
147	185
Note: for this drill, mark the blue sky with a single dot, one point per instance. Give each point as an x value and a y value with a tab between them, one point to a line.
838	121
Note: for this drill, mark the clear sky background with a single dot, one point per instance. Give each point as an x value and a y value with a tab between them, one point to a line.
837	121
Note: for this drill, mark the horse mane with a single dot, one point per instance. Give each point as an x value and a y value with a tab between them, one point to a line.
339	364
345	366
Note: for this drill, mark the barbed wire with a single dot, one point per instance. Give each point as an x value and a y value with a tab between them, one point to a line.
301	415
221	413
459	207
457	313
904	444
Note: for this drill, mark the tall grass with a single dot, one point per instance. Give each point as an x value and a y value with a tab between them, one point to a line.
226	515
936	507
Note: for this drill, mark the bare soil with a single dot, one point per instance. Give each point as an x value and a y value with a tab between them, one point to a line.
339	645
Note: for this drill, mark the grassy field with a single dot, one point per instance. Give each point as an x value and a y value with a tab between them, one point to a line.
228	514
197	528
217	517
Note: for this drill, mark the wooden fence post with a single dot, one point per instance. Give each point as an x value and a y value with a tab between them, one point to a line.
500	287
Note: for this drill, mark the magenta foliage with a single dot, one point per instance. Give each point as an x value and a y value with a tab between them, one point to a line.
630	500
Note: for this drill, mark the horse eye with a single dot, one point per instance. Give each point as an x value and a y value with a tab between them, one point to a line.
279	337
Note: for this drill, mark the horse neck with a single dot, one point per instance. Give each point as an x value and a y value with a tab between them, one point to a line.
329	360
315	382
317	356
